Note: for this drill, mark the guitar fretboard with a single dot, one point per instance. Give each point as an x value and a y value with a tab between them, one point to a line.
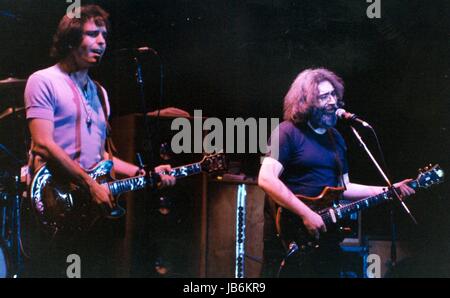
135	183
129	184
348	209
185	171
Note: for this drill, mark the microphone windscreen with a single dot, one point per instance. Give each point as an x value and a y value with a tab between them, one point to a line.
340	113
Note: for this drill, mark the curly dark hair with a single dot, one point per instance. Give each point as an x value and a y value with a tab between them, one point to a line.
302	95
70	30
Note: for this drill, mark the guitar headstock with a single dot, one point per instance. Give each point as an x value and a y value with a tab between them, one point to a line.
214	162
430	175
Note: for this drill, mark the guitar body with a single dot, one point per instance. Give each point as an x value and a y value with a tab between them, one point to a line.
290	227
60	205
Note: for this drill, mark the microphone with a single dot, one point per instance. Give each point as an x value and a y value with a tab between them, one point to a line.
352	118
140	50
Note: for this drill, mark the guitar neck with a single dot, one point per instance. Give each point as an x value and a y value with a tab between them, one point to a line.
185	171
118	187
346	210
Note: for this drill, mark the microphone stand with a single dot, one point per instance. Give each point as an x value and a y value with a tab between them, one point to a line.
395	194
140	82
148	135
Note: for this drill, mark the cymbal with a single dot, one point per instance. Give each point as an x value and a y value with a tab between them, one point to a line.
170	112
12	83
10	111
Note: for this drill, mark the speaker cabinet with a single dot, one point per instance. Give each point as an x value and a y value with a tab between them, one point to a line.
382	249
229	205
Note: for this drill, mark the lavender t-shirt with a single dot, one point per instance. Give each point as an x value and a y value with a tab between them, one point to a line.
51	94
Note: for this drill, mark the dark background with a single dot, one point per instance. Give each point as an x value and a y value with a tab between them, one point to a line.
238	58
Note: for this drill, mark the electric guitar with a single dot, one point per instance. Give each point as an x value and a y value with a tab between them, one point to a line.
293	233
60	205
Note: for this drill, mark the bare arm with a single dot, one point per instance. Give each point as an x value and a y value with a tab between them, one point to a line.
124	168
127	169
44	145
269	181
359	191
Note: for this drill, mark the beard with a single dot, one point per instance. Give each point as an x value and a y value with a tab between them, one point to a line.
323	117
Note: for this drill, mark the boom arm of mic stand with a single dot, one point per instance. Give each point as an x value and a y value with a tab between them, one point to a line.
391	187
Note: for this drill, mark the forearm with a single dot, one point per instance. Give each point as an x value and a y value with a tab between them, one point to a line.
54	154
122	167
268	180
359	191
278	191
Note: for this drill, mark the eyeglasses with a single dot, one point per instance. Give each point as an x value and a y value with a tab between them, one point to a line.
326	96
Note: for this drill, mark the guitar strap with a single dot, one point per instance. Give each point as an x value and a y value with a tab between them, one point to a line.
336	157
109	142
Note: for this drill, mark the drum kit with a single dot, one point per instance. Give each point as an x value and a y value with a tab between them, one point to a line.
13	148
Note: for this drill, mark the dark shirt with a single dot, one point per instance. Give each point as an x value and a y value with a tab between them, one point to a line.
308	158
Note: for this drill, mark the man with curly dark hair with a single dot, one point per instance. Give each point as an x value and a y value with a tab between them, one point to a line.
308	154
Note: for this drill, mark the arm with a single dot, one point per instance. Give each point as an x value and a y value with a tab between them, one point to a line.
358	191
269	181
124	168
129	170
43	145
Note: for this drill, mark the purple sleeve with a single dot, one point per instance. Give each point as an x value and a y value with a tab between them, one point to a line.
39	99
